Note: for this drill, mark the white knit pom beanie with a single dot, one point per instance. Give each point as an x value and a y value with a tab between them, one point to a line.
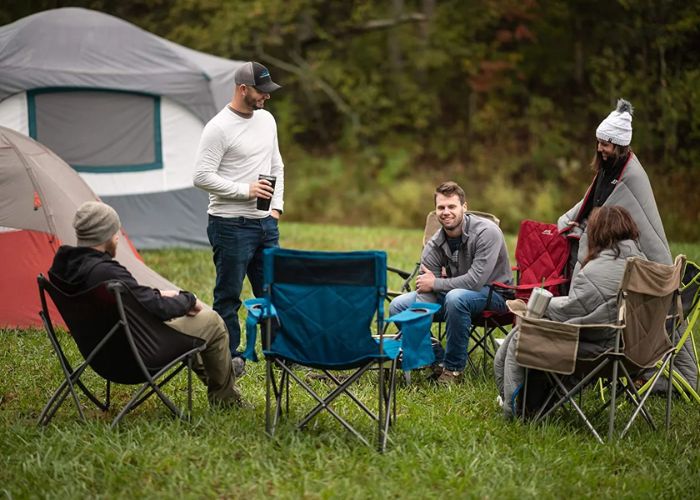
617	127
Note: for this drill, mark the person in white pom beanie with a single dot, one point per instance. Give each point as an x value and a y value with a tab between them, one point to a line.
620	180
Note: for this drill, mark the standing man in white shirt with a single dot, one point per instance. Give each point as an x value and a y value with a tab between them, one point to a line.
238	145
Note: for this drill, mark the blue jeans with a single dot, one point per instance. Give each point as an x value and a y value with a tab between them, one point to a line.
238	243
458	308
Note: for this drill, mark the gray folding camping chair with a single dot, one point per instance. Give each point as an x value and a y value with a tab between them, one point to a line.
649	292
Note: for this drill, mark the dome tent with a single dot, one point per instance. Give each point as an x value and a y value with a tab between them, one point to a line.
39	195
125	108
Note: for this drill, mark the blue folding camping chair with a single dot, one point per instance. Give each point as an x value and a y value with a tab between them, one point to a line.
318	311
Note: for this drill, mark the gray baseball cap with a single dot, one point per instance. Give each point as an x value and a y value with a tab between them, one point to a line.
255	75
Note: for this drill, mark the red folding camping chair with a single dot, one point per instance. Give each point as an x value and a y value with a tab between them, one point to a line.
541	256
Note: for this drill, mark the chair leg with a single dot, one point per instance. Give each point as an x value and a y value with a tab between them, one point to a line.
268	382
669	389
635	397
136	400
44	417
644	398
613	403
67	387
381	410
522	409
390	397
189	386
578	409
324	403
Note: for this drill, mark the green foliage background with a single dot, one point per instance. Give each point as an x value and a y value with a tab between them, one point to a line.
384	99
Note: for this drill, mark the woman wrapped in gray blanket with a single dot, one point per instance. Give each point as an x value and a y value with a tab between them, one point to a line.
612	238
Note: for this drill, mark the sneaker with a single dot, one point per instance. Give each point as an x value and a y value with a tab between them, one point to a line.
238	366
449	377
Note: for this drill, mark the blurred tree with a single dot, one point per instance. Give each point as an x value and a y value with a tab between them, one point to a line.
502	94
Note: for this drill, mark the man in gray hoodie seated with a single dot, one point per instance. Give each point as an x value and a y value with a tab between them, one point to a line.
466	254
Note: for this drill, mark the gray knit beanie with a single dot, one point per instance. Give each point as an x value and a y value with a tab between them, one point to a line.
95	223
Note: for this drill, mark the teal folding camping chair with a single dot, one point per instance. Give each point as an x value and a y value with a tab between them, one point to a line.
318	311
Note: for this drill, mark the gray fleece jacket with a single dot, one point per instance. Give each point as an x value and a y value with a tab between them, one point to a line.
482	257
592	298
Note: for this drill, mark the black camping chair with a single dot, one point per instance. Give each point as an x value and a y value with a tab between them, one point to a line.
120	341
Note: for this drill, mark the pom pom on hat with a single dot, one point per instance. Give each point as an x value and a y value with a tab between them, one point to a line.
617	127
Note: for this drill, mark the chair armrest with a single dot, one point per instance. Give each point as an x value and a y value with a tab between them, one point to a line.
531	286
417	311
403	274
416	346
547	345
255	309
406	276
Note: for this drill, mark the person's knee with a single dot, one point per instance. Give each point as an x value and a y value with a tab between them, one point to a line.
401	303
395	306
214	324
463	301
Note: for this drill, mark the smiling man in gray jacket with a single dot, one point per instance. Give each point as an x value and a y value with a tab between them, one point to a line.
466	254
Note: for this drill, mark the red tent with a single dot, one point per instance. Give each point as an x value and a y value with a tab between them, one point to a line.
39	194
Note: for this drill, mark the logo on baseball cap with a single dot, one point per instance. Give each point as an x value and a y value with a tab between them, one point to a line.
255	75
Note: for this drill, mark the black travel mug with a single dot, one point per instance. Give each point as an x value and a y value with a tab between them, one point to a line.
264	203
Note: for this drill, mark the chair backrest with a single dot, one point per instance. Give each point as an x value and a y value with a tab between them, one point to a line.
541	253
110	307
326	303
649	292
432	224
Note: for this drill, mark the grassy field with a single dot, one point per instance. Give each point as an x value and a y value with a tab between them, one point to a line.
447	442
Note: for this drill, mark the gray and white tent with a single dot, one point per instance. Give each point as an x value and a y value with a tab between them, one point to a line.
124	107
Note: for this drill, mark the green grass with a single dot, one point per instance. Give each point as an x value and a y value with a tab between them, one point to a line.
447	442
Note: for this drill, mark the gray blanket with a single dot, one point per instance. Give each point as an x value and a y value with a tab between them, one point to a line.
633	192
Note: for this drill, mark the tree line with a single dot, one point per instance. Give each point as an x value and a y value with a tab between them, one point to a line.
382	99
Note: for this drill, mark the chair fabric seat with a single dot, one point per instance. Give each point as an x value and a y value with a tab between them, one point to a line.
391	351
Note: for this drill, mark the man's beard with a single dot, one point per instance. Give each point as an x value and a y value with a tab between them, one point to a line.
252	103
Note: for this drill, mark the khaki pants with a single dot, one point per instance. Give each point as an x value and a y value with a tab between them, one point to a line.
213	366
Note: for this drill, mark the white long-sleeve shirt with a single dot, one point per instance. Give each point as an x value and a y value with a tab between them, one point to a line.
232	152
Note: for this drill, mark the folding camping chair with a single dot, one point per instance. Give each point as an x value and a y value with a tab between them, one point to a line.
121	342
432	224
690	299
648	292
317	311
489	321
541	254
